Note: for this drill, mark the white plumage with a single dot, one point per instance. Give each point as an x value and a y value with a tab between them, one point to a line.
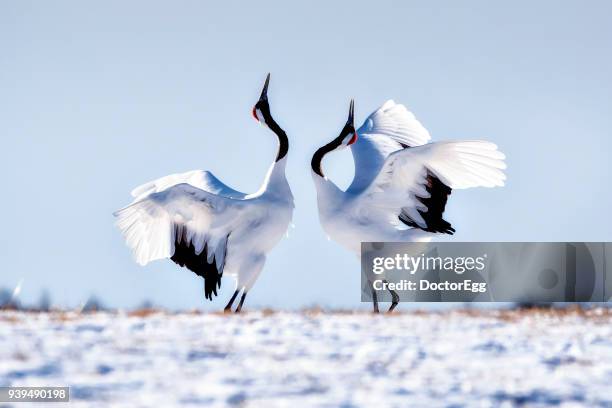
157	216
388	129
401	183
199	222
402	178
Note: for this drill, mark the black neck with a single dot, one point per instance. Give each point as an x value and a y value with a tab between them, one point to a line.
315	164
283	142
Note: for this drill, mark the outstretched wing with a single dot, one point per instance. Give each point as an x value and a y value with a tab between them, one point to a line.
413	184
186	224
204	180
388	129
394	121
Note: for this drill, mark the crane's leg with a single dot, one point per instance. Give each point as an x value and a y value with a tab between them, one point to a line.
249	275
375	301
395	300
228	307
239	308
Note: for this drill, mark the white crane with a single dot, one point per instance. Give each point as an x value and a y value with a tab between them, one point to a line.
211	229
401	184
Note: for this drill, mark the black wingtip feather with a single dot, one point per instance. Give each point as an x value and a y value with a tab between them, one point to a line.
436	204
185	256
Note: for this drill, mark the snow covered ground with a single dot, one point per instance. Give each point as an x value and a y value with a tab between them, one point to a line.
267	359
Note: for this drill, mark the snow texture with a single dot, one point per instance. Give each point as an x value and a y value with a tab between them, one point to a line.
269	359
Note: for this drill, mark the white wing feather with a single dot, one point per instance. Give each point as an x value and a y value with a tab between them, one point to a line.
458	164
149	225
203	180
393	120
388	129
461	164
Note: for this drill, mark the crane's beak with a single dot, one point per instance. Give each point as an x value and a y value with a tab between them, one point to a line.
263	101
351	122
264	91
351	117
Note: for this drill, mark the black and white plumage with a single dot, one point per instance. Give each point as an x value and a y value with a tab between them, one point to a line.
402	182
213	230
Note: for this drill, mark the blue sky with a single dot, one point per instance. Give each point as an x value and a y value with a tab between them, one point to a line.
97	98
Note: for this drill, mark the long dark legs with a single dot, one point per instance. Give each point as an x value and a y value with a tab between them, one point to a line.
375	301
239	308
247	277
228	307
395	300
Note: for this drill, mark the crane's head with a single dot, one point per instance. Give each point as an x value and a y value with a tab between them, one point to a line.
348	134
261	110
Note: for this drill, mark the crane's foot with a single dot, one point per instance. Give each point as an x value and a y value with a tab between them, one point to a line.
394	300
394	303
239	308
228	307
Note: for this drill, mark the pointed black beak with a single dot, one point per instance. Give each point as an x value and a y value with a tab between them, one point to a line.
264	91
351	117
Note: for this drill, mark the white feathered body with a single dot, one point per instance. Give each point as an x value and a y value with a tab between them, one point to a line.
349	223
236	230
396	173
